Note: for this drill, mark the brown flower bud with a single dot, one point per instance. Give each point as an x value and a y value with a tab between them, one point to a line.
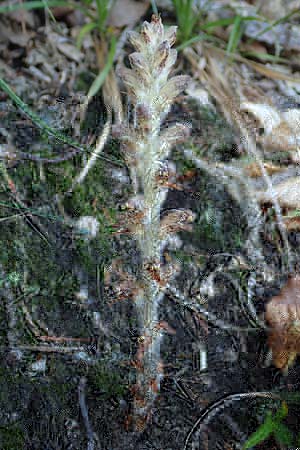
178	83
157	25
177	220
131	79
172	89
166	173
129	221
146	33
138	61
154	271
152	31
171	60
163	52
170	35
135	40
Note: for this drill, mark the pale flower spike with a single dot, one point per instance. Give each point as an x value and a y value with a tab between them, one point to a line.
146	148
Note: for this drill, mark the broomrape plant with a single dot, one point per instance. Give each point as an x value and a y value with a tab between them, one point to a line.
146	147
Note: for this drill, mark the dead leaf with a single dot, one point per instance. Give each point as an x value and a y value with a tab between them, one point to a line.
65	47
281	129
264	69
70	51
283	316
253	170
255	47
292	223
286	193
127	13
17	38
23	16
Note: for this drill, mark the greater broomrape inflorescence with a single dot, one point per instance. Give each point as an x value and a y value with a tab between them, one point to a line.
146	148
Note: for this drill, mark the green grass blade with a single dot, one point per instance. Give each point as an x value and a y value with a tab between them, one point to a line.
282	412
38	4
262	433
35	118
154	7
87	28
103	11
283	435
41	4
235	35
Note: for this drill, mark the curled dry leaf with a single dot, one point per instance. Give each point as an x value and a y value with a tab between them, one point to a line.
287	193
283	316
281	129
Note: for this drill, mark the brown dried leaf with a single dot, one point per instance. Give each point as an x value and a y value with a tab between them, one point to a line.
283	316
17	38
253	170
127	12
281	130
292	223
65	47
286	193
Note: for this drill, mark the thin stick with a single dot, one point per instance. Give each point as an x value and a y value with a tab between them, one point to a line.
45	348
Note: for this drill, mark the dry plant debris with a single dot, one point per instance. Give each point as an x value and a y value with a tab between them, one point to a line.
281	130
283	315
